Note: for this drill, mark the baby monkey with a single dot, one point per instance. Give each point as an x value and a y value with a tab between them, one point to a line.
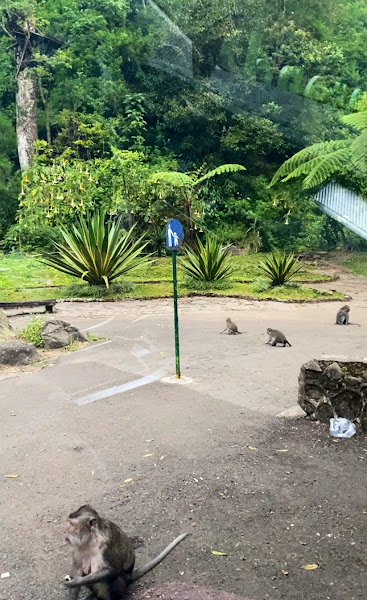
276	337
342	317
103	556
231	327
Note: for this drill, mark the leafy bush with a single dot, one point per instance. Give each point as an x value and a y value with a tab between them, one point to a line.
28	239
76	290
280	267
201	285
97	250
260	285
210	263
32	332
230	233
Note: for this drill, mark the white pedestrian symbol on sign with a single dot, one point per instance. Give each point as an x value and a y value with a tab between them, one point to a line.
174	235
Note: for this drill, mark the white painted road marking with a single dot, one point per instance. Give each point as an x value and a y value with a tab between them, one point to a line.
118	389
151	315
98	325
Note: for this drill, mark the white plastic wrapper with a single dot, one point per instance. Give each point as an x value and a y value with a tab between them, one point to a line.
342	428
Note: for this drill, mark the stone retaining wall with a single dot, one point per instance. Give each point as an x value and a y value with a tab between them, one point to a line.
334	388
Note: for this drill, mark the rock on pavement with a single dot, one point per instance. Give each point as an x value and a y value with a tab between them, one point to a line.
6	330
58	334
17	352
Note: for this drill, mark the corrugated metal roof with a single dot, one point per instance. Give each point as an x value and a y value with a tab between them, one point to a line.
345	206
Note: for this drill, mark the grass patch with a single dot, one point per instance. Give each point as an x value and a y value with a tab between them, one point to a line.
357	263
283	292
32	332
200	285
90	337
17	273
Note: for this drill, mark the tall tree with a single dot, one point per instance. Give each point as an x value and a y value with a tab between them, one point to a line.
19	23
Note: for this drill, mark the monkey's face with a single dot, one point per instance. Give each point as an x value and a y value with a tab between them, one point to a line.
228	321
71	533
269	330
78	531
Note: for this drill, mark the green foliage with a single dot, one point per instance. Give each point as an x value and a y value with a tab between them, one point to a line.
280	267
292	285
115	290
94	338
184	186
32	332
27	239
97	251
319	162
199	285
260	285
211	263
9	179
117	106
357	263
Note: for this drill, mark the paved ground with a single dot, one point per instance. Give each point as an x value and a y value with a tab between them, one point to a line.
209	456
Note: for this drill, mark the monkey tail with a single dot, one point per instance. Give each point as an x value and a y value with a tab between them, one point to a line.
138	573
286	341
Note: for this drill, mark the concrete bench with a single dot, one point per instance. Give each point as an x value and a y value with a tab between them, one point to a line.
48	304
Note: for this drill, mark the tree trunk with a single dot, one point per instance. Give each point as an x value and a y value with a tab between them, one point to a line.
26	117
47	111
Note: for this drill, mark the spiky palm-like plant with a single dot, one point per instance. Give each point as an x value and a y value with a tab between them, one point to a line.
319	162
211	263
97	250
280	267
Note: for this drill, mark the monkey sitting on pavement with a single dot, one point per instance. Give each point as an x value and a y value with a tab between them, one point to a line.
277	336
103	556
342	317
231	327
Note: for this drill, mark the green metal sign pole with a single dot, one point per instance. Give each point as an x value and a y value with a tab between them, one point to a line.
177	340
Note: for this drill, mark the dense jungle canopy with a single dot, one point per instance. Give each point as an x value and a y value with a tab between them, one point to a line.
98	96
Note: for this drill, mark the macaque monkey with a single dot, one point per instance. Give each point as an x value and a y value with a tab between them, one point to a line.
231	327
276	337
103	556
342	317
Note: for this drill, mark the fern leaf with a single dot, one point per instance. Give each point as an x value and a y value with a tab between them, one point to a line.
359	151
227	168
356	120
296	165
173	178
325	166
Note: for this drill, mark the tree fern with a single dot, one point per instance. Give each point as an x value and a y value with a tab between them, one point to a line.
173	178
305	161
177	179
358	151
356	120
227	168
319	162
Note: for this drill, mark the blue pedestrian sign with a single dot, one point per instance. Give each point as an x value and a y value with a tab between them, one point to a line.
174	234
